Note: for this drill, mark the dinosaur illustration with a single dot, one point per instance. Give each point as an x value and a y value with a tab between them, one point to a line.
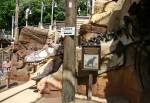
90	62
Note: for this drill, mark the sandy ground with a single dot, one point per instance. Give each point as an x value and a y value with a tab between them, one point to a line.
30	95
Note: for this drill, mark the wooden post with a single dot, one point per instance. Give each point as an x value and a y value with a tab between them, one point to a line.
8	79
89	95
16	20
68	82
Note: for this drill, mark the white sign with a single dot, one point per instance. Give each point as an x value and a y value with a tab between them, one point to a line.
70	4
68	30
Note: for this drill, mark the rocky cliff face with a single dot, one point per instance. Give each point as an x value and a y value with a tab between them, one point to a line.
132	79
30	39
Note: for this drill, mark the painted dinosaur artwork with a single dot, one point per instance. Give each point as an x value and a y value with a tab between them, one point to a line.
90	62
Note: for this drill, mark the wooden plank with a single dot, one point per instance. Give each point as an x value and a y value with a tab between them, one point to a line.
26	96
11	92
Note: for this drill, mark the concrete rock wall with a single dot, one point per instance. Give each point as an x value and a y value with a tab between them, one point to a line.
122	82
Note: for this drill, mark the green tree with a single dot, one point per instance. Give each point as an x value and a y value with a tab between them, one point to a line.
7	9
82	4
6	12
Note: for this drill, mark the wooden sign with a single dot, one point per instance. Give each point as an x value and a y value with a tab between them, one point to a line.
91	58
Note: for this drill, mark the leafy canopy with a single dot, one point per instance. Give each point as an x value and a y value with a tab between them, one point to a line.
7	9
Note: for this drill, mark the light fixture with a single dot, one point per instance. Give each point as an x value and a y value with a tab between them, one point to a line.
55	4
79	10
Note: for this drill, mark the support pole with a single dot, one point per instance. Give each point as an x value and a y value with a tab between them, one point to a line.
16	20
41	23
12	29
8	79
68	82
89	7
26	22
89	95
2	53
52	12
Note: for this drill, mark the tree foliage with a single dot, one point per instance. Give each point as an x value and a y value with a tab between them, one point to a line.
6	12
7	9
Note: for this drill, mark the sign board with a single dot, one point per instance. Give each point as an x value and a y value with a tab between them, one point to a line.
68	31
91	58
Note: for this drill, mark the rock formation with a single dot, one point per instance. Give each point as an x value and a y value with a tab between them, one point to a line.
119	47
